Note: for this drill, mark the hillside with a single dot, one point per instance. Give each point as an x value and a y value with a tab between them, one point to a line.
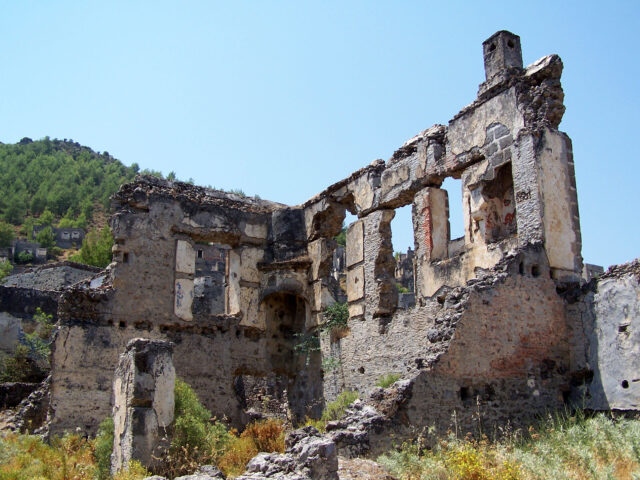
69	180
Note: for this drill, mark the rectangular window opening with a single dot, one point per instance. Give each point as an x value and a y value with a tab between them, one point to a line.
453	186
210	280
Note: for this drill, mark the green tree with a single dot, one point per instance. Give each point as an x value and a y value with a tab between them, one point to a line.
5	269
46	238
6	235
15	212
27	227
23	257
96	248
341	238
47	218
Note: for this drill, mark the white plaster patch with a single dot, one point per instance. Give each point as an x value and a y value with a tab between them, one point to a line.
185	257
183	298
233	280
255	231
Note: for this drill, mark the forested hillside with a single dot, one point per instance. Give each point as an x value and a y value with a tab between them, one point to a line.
60	176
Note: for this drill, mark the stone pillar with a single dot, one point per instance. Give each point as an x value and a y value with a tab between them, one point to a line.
431	223
355	268
381	295
143	406
431	232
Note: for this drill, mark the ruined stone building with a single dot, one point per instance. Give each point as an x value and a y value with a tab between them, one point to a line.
501	325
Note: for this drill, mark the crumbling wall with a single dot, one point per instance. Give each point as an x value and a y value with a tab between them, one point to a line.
168	237
613	340
491	329
18	305
143	409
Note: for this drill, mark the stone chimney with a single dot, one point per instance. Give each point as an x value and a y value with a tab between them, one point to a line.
502	58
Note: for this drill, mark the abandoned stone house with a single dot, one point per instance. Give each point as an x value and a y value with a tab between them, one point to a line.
501	326
64	237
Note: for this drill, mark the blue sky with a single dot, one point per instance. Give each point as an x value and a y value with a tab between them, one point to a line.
282	99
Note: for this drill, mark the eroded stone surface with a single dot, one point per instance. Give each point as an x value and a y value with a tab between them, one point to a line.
498	323
143	403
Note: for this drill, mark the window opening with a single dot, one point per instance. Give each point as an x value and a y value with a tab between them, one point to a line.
403	243
210	279
453	186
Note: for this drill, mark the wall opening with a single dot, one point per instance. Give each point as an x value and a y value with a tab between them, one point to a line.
403	241
285	315
210	279
499	206
339	266
453	186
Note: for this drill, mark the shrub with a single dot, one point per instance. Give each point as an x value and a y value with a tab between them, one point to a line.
234	460
196	438
30	361
387	380
134	471
261	436
5	269
333	410
46	238
267	435
20	367
103	446
96	248
336	317
23	257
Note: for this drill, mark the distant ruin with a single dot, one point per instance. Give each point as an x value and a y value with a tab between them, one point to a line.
500	327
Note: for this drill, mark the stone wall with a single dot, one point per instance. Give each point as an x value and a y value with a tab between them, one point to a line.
613	340
495	329
17	307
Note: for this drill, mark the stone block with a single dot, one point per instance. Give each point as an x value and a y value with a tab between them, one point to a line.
355	243
355	283
321	254
322	297
185	257
249	258
356	310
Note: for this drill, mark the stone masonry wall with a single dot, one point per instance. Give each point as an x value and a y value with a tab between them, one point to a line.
492	334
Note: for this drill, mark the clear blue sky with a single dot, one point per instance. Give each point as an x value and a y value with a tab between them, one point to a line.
281	99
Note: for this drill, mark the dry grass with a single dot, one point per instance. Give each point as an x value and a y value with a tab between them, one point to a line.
570	447
25	457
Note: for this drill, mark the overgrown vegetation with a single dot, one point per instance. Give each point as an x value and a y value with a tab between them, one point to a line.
30	361
96	248
336	318
341	238
334	410
5	269
387	380
6	235
570	446
198	439
103	446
